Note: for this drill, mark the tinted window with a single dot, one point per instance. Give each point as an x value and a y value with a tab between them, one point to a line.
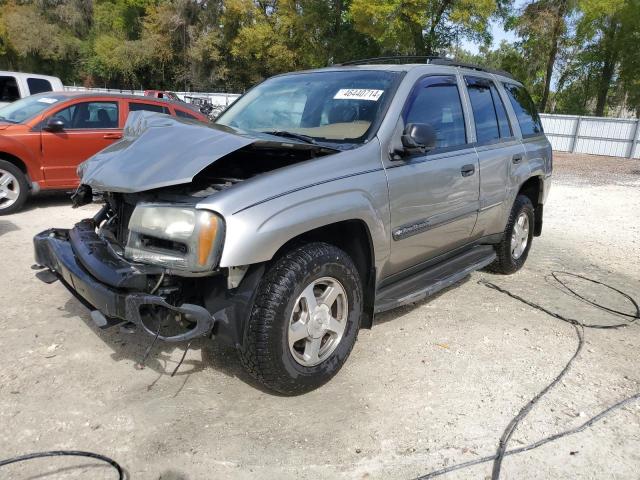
8	89
90	115
489	114
526	112
38	85
134	107
484	113
436	101
184	114
503	118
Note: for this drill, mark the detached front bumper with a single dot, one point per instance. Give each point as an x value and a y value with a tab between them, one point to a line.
102	280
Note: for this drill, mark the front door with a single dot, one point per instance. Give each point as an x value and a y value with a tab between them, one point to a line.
88	128
434	196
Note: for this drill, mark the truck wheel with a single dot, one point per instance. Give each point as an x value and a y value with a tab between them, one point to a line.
513	249
14	188
305	319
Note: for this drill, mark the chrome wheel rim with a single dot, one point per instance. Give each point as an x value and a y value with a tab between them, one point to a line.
318	321
520	236
9	189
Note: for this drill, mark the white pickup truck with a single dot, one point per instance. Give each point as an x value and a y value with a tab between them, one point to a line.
17	85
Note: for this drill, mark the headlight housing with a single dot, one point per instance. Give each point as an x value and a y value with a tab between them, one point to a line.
179	238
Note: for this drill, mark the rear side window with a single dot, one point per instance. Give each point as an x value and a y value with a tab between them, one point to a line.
526	112
9	89
435	100
489	114
183	114
38	85
149	107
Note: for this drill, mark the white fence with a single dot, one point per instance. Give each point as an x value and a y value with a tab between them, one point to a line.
615	137
224	99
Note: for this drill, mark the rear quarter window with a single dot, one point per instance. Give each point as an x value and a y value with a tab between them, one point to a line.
38	85
525	109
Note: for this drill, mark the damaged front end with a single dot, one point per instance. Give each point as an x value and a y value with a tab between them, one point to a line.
117	290
150	257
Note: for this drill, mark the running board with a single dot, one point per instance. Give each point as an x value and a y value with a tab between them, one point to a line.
433	279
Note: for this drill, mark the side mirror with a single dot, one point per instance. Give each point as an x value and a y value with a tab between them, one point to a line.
55	124
416	138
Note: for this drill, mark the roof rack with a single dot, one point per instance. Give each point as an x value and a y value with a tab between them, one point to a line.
429	60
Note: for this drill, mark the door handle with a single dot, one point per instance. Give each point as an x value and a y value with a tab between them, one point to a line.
468	170
112	136
517	158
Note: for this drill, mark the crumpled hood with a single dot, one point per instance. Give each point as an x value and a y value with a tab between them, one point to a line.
158	151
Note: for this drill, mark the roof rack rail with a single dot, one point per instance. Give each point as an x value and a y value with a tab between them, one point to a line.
426	59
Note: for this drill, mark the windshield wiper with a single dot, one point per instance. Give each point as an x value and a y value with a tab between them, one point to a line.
296	136
3	119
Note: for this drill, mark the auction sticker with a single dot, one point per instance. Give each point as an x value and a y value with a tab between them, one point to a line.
48	100
358	94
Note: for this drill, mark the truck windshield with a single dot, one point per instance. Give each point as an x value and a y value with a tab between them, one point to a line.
332	106
27	108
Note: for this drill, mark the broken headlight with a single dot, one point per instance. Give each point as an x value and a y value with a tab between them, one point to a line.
179	238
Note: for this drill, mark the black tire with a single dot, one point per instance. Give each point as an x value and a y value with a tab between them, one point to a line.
19	184
505	262
265	352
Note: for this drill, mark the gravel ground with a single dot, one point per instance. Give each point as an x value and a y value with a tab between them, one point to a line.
433	384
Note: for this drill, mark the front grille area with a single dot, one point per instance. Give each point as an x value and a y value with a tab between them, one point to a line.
123	211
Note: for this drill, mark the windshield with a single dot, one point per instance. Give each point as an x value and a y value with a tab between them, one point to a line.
27	108
335	106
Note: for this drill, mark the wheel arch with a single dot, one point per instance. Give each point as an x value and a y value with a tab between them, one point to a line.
15	161
354	237
532	188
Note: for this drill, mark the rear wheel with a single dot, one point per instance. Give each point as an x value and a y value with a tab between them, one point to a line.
14	188
305	319
514	247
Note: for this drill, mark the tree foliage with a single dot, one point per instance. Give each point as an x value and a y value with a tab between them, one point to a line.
576	56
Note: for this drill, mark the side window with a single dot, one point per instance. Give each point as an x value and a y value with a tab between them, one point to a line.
90	115
435	100
38	85
149	107
183	114
489	114
9	89
503	118
526	112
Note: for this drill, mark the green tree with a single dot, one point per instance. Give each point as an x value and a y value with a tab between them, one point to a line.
423	27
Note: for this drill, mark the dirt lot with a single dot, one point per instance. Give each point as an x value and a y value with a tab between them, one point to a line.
431	385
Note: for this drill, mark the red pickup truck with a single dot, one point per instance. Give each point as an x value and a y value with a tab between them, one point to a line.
44	137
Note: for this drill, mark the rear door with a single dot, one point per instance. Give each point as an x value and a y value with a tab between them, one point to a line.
499	150
90	126
434	196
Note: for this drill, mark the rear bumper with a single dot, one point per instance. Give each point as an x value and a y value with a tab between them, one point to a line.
63	251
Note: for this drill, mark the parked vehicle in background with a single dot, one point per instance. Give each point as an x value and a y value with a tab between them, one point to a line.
44	137
17	85
205	106
316	201
162	94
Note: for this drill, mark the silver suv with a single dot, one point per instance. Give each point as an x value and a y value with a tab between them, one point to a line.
317	200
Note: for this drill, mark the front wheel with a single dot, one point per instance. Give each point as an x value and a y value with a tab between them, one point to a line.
513	249
14	188
305	319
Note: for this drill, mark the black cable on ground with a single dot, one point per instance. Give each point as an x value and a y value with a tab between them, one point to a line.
579	327
66	453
